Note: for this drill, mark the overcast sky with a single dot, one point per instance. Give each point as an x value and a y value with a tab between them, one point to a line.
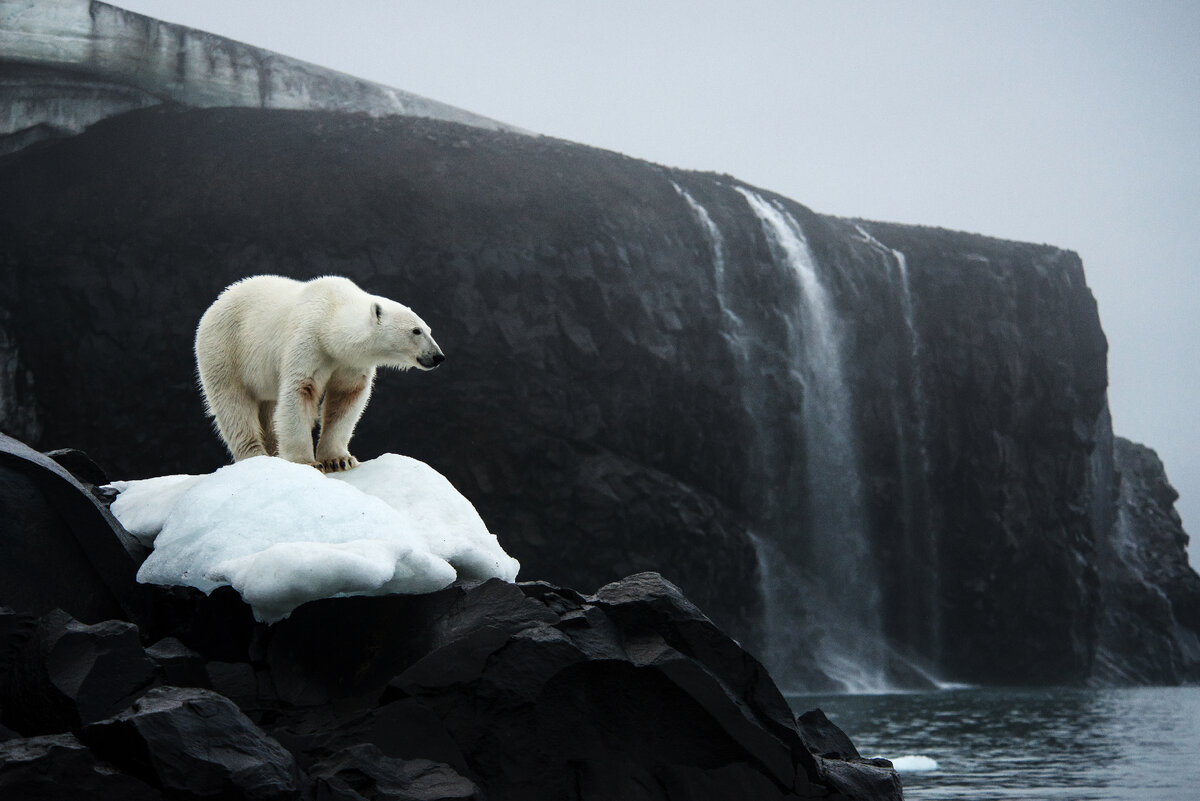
1072	123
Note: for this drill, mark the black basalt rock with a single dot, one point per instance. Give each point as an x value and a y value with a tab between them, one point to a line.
841	766
69	674
61	548
362	772
823	738
195	743
609	692
57	766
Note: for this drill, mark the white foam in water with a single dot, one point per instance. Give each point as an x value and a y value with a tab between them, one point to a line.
914	764
282	534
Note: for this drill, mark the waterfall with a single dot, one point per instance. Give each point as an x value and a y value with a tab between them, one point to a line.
822	578
919	600
921	532
717	243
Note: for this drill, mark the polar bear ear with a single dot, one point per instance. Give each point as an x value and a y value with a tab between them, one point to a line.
378	313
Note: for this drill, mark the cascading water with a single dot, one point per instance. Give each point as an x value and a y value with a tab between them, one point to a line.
821	582
920	598
717	244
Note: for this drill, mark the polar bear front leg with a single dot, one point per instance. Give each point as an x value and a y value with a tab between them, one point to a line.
295	415
345	398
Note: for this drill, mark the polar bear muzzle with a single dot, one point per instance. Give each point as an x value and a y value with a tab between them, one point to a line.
428	361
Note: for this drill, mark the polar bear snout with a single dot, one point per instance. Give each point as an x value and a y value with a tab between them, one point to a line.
428	361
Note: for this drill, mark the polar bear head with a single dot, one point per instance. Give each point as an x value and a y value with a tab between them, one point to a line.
400	338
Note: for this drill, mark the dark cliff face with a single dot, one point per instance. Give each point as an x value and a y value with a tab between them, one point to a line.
645	371
1012	376
1149	627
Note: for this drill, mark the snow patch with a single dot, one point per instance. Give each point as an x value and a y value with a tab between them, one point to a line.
282	534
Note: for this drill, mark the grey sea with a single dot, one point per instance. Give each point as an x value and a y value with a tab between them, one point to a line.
1140	744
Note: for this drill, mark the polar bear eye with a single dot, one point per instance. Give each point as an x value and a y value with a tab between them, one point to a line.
416	332
378	312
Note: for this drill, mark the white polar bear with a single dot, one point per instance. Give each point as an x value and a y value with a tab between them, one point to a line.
273	353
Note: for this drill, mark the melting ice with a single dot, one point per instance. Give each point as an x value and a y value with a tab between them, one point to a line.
282	534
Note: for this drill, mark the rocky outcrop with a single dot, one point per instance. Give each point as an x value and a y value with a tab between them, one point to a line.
484	689
849	442
1148	627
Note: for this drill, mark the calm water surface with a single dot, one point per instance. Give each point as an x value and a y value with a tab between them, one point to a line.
1138	744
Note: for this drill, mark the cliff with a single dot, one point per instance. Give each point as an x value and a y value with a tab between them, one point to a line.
876	454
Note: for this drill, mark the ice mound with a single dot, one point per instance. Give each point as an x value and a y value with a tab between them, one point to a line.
282	534
914	764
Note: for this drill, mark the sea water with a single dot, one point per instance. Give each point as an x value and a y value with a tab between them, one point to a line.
1138	744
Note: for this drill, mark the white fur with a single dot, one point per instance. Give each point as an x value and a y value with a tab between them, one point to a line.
274	353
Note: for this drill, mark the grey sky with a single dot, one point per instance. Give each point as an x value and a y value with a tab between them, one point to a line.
1072	123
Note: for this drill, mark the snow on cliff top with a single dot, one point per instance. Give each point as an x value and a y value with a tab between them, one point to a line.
282	534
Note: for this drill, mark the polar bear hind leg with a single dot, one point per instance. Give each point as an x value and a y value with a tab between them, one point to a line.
266	423
236	416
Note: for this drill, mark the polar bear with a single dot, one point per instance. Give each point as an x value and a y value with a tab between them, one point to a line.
273	353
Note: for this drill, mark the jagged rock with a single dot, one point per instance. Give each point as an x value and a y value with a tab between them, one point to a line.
79	465
862	778
515	691
1149	621
402	729
823	738
15	630
69	674
179	665
195	743
841	766
628	689
362	772
57	766
61	548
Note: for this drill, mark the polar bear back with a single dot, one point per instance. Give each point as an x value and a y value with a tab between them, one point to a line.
240	339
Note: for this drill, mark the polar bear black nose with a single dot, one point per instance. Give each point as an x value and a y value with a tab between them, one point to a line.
438	359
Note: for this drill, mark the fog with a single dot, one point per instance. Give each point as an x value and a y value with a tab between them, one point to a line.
1071	123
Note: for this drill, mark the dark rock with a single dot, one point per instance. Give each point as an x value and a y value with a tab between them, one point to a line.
61	548
840	765
58	766
179	665
79	465
197	744
218	626
362	772
860	778
237	681
69	674
513	691
15	630
369	641
823	738
1149	621
402	729
629	693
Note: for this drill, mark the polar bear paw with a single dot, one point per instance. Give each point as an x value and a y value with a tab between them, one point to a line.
337	464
